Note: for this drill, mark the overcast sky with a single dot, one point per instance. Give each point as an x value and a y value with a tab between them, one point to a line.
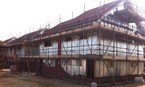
18	17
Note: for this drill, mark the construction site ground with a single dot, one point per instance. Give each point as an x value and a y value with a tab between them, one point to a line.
18	80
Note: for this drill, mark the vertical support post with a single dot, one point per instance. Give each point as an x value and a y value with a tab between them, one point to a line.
47	50
99	52
138	54
59	51
83	29
103	70
58	61
114	39
99	41
92	45
72	45
99	81
14	55
126	55
83	41
103	44
28	65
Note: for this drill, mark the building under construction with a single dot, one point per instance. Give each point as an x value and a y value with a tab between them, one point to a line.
104	44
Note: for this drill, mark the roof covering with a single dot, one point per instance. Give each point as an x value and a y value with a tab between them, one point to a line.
2	43
27	37
87	16
90	15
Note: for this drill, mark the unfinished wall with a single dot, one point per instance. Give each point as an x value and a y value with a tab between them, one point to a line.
20	52
117	68
92	45
102	68
70	66
79	46
48	50
11	52
74	66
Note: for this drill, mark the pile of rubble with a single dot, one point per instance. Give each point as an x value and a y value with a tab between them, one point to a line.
139	80
25	74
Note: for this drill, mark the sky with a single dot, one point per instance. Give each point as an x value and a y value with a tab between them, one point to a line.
19	17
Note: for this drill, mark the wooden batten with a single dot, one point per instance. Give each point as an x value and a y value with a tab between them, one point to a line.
92	26
90	56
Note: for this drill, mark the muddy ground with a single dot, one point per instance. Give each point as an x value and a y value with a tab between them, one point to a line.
18	80
131	85
9	80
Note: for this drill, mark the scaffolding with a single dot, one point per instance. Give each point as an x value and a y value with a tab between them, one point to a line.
105	50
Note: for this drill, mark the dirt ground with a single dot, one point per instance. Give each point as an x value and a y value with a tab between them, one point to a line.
35	82
9	80
131	85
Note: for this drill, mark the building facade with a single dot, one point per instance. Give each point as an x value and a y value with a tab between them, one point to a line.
104	44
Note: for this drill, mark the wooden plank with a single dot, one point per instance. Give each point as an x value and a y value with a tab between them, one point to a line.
93	26
89	27
122	32
93	56
28	65
90	56
54	56
108	57
70	56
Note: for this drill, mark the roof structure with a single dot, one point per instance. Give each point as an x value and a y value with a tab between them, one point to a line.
2	43
87	16
95	14
27	37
